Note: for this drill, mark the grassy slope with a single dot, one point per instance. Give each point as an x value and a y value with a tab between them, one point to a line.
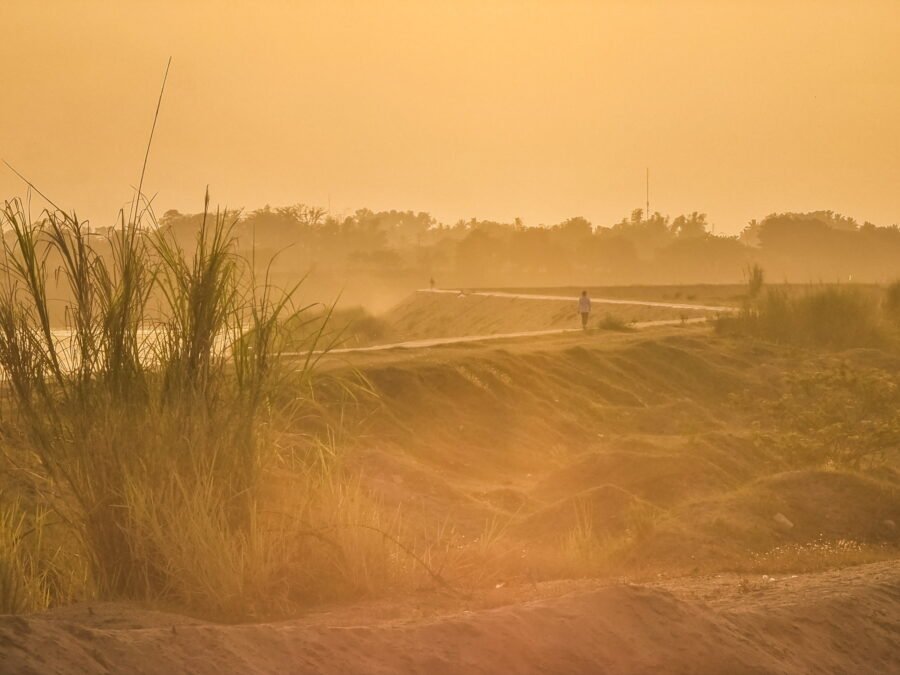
639	436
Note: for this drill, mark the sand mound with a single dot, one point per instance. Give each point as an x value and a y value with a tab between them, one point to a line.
845	621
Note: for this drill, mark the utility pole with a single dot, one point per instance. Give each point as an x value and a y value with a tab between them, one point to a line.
647	216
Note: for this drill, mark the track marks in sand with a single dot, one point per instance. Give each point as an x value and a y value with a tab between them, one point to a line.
805	623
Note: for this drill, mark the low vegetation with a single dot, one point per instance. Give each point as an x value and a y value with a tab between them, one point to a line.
755	280
892	303
832	316
613	322
837	415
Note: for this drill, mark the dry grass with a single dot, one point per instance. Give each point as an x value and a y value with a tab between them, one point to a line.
36	571
835	317
892	303
142	433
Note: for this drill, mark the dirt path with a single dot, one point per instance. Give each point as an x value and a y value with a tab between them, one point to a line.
845	621
436	342
567	298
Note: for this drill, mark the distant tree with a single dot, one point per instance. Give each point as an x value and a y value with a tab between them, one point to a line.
788	233
750	234
409	246
834	220
573	235
575	227
693	225
647	235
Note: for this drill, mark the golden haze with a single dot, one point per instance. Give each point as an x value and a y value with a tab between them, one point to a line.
495	109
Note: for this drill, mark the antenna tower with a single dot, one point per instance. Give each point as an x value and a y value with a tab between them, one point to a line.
647	216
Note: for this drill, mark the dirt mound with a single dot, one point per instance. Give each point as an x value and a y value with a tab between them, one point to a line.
639	436
845	621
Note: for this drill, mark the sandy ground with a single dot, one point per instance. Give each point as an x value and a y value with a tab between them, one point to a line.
845	621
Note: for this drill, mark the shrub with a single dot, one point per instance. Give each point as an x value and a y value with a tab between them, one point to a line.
615	323
829	316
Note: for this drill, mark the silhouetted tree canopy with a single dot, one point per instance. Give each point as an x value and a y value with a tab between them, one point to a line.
407	248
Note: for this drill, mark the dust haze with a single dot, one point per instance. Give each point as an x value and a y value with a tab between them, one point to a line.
498	337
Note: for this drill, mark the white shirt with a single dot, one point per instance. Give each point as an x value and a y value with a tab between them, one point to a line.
584	304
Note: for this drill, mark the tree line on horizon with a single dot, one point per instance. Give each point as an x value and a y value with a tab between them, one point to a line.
406	247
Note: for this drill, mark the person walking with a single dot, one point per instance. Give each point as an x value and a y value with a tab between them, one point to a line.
584	308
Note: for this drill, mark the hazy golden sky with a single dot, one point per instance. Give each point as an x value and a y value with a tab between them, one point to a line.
493	109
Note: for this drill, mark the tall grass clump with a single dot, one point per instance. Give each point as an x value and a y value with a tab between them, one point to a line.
756	278
892	303
826	316
142	425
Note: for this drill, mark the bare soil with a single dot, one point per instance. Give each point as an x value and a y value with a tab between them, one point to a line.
844	621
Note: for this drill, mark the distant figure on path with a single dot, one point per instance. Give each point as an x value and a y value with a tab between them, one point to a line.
432	283
584	307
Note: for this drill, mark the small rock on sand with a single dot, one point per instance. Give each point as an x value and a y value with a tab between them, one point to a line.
783	521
